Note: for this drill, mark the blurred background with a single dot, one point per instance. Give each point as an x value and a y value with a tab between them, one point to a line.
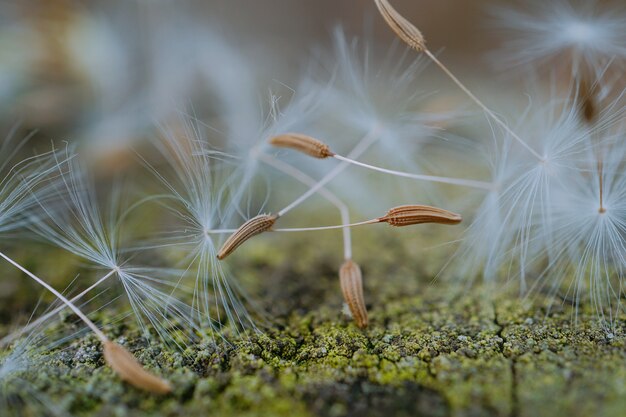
77	68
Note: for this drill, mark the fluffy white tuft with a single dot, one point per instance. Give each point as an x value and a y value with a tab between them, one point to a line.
582	34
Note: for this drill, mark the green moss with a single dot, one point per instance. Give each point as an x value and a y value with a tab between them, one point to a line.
426	352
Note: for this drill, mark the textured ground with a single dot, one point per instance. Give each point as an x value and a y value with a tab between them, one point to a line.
426	353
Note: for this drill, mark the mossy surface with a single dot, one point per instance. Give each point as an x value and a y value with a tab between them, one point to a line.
430	350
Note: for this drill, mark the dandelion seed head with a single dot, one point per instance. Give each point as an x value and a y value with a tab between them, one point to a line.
78	223
581	34
205	193
379	93
517	222
588	258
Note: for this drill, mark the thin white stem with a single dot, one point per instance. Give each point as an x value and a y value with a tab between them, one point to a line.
299	229
328	195
445	180
220	231
361	147
314	229
60	296
11	337
486	109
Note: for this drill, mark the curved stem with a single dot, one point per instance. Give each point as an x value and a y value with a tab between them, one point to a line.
60	296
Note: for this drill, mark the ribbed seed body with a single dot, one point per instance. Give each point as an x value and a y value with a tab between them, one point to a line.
417	214
131	371
404	29
252	227
352	287
303	143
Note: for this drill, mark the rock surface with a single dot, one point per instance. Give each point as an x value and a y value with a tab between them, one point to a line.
430	350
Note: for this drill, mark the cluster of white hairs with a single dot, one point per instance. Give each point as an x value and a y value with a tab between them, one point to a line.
544	196
556	217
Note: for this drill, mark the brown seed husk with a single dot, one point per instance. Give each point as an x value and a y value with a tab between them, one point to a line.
303	143
252	227
404	29
417	214
131	371
352	287
587	102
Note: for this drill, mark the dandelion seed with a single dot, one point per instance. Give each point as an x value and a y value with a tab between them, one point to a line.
588	239
416	214
518	228
378	104
318	149
352	288
127	367
382	97
302	143
402	27
203	195
301	109
399	216
77	224
334	200
349	273
572	37
252	227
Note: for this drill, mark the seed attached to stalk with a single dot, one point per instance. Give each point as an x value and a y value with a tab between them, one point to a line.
127	367
417	214
118	358
404	29
252	227
351	282
302	143
318	149
408	33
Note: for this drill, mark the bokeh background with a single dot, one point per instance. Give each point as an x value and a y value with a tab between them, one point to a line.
70	63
